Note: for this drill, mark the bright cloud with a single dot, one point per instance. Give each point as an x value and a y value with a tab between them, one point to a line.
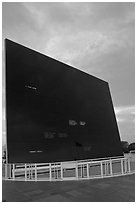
126	121
125	110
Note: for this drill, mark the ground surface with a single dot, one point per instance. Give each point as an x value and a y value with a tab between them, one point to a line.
117	189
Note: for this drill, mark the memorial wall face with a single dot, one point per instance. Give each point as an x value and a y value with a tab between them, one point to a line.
55	112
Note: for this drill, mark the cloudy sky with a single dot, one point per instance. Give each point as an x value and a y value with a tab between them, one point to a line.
97	38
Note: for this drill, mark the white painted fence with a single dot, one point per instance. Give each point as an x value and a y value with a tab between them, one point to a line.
74	170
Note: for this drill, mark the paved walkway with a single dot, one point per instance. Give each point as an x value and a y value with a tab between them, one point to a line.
118	189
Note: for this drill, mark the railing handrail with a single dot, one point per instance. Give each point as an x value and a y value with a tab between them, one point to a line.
82	169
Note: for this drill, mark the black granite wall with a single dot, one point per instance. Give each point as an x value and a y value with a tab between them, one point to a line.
55	112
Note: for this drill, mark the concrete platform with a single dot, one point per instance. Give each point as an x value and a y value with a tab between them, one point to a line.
117	189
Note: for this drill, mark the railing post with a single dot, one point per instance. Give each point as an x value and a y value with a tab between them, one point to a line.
77	171
81	170
31	171
129	169
105	168
61	171
28	170
101	165
84	171
25	172
125	162
13	172
10	171
122	170
6	171
50	172
87	171
111	172
54	171
35	172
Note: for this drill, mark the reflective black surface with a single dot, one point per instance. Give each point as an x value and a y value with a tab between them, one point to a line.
56	112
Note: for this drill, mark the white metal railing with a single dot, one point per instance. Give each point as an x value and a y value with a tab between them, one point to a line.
74	170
